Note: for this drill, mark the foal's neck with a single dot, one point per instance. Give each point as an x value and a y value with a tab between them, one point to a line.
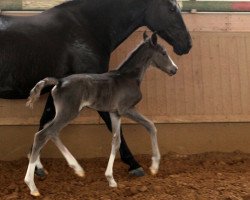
111	21
137	63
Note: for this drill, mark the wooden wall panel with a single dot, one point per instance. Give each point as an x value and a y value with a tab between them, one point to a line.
39	5
212	84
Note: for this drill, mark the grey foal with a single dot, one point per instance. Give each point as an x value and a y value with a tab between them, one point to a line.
116	91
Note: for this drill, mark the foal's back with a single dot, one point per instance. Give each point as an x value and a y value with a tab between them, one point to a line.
109	91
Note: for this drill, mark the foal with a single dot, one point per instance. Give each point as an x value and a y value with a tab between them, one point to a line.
117	92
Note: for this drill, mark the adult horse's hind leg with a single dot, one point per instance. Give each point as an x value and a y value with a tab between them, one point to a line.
48	112
126	156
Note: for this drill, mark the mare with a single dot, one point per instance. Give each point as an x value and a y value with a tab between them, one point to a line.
78	37
116	92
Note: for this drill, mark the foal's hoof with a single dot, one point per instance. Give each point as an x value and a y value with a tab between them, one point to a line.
41	173
137	172
112	184
35	194
80	173
153	171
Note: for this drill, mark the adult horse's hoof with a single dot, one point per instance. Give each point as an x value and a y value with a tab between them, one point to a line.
137	172
41	173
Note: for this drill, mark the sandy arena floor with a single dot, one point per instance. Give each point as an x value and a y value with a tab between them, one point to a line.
205	176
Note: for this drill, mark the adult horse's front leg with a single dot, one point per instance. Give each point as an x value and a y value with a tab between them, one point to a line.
126	155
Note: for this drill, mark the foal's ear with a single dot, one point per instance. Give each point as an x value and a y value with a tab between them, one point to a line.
145	36
154	39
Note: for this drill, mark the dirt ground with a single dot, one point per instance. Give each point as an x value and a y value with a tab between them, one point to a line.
203	176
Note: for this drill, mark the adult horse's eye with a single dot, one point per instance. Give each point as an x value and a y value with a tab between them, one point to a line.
172	8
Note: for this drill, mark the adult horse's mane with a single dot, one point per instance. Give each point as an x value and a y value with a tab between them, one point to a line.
67	3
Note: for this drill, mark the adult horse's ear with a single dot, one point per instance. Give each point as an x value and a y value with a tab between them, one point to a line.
154	39
145	36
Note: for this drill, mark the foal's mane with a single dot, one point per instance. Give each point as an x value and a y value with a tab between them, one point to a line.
131	55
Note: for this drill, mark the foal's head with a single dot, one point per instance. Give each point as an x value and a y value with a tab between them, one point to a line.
160	58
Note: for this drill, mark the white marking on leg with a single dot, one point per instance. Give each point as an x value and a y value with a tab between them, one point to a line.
29	179
109	170
116	140
156	154
72	162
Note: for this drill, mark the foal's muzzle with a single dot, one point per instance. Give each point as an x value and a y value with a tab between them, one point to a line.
172	71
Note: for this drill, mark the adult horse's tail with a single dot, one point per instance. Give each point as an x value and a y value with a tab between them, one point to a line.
36	91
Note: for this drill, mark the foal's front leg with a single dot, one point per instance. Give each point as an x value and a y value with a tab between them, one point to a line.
149	125
127	157
116	141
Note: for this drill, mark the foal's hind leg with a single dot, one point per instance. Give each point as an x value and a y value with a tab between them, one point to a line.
72	162
126	155
63	117
134	115
116	141
47	116
40	140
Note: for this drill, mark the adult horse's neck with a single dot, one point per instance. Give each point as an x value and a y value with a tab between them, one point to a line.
137	63
110	21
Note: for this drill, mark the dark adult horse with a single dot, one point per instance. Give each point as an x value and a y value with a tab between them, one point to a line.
78	37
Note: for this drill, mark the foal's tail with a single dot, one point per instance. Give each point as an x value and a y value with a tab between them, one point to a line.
36	91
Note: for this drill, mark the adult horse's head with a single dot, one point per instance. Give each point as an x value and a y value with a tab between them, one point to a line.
164	16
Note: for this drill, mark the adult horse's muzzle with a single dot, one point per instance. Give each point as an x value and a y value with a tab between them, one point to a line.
180	46
184	49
